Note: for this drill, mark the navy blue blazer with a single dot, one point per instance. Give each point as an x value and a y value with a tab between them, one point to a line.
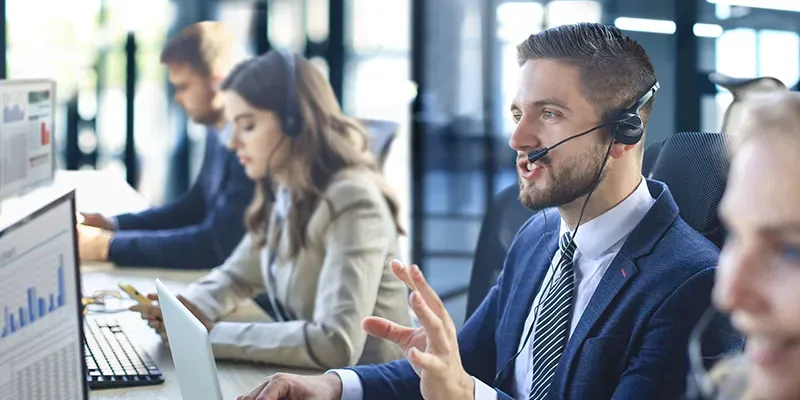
199	230
631	341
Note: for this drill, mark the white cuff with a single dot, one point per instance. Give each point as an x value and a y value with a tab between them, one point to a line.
351	384
482	391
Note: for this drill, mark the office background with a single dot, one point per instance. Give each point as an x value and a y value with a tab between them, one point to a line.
443	69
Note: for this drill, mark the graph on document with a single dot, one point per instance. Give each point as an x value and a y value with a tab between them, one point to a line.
36	308
13	107
39	323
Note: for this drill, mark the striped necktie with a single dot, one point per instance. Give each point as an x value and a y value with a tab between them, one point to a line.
552	324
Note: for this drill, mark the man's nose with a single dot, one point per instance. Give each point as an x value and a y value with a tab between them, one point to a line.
524	139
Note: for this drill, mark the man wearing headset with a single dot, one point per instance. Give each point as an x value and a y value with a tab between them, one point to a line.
202	228
603	311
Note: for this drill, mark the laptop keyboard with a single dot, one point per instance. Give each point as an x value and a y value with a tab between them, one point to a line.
112	360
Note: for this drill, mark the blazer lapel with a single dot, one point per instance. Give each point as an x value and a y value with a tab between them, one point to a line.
527	282
621	271
219	161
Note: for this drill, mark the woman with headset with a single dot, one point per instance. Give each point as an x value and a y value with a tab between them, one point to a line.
758	279
321	231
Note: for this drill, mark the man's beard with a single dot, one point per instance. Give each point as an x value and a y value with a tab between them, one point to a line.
571	180
209	118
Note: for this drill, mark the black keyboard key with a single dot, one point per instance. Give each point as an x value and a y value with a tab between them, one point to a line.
112	361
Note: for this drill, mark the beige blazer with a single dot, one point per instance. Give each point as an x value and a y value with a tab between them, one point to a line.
338	279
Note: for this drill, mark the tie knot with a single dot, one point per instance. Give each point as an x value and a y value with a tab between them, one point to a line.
567	245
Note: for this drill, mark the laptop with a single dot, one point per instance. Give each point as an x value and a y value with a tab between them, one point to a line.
41	334
191	352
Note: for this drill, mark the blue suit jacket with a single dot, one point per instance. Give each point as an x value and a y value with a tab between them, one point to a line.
631	341
198	231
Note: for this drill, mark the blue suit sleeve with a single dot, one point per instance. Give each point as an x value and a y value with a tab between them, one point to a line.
476	343
187	210
203	245
658	370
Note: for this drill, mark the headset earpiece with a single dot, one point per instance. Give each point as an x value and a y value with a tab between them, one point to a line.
629	127
290	119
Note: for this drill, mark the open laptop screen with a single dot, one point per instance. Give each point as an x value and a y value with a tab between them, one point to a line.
41	333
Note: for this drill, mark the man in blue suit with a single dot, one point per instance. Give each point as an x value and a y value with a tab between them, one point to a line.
202	228
600	290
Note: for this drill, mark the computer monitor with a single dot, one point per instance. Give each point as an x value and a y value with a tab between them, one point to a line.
41	329
27	156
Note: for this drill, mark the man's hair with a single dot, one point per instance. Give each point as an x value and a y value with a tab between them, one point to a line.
208	47
614	69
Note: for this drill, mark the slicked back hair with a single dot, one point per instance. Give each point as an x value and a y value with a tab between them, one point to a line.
207	47
614	69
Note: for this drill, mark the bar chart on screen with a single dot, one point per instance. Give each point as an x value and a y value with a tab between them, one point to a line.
40	352
36	308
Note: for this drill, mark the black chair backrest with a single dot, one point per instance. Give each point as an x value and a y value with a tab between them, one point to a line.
501	222
382	134
695	168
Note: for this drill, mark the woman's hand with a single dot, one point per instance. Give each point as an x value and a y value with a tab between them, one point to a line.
152	313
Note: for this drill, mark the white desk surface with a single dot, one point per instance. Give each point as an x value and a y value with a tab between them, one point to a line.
235	378
107	194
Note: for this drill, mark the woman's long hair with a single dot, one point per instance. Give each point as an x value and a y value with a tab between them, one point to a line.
328	143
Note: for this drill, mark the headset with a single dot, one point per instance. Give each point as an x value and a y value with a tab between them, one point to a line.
627	126
291	123
290	118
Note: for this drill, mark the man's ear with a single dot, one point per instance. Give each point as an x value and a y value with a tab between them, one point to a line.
216	80
618	149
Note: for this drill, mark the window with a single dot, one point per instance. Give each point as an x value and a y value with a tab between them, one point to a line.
377	82
779	56
747	53
562	12
285	24
515	22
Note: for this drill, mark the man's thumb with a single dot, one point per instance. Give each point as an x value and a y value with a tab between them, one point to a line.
385	329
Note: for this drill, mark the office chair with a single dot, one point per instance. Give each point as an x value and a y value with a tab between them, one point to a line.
381	134
650	157
501	222
695	168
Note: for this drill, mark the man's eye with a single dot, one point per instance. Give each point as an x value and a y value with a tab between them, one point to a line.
517	117
549	115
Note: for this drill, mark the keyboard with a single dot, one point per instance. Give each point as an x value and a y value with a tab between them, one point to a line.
112	360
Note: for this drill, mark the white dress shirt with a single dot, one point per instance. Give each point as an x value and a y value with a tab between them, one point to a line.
598	241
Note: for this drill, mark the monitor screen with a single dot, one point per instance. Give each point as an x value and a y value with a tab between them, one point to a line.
26	135
41	336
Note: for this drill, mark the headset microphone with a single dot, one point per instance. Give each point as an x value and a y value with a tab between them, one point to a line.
538	154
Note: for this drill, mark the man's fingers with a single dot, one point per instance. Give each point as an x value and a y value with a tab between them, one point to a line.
427	292
434	327
401	272
152	296
385	329
427	361
255	392
275	390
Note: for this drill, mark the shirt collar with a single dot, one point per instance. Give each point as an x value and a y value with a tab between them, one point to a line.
222	135
600	234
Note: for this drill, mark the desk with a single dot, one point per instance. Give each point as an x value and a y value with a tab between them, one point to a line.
103	192
107	194
235	378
